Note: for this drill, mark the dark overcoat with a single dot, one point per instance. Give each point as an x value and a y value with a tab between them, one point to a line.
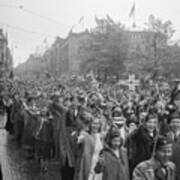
139	145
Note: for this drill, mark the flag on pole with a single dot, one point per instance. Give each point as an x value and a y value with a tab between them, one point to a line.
81	19
132	10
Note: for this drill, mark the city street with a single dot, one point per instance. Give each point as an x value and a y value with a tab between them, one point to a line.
15	166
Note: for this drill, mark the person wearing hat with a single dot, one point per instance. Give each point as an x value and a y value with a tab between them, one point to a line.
113	161
174	125
132	124
159	167
119	121
93	102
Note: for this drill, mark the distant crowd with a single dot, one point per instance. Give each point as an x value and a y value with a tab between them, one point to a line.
97	131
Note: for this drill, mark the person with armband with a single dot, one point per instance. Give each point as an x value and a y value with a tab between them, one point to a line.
159	167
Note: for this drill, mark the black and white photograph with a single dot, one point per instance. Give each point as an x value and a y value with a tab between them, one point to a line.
89	90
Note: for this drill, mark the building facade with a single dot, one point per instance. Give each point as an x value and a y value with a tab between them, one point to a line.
65	57
6	62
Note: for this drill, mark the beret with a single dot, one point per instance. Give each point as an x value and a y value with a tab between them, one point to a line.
163	142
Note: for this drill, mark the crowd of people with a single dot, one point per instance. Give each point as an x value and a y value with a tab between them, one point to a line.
97	131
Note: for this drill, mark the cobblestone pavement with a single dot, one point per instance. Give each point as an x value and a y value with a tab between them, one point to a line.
15	166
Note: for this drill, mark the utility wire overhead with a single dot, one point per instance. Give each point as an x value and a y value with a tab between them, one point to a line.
25	30
41	16
22	8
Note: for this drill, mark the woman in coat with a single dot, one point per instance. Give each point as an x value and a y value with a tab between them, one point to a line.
85	149
113	161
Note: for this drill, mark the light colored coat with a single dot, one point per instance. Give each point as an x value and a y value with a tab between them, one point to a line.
84	159
147	170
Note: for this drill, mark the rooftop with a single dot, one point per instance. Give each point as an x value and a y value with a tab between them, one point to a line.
2	36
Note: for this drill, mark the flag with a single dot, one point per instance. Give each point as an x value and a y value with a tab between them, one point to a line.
132	10
81	19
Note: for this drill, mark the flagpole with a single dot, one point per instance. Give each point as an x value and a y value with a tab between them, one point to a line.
134	16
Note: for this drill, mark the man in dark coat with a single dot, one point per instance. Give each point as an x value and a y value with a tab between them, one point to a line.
174	135
1	173
8	103
18	122
57	113
62	137
140	142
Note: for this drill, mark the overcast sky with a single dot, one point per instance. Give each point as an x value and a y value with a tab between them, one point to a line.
39	19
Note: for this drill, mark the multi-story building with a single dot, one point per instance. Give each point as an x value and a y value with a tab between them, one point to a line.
64	56
6	63
69	58
141	43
